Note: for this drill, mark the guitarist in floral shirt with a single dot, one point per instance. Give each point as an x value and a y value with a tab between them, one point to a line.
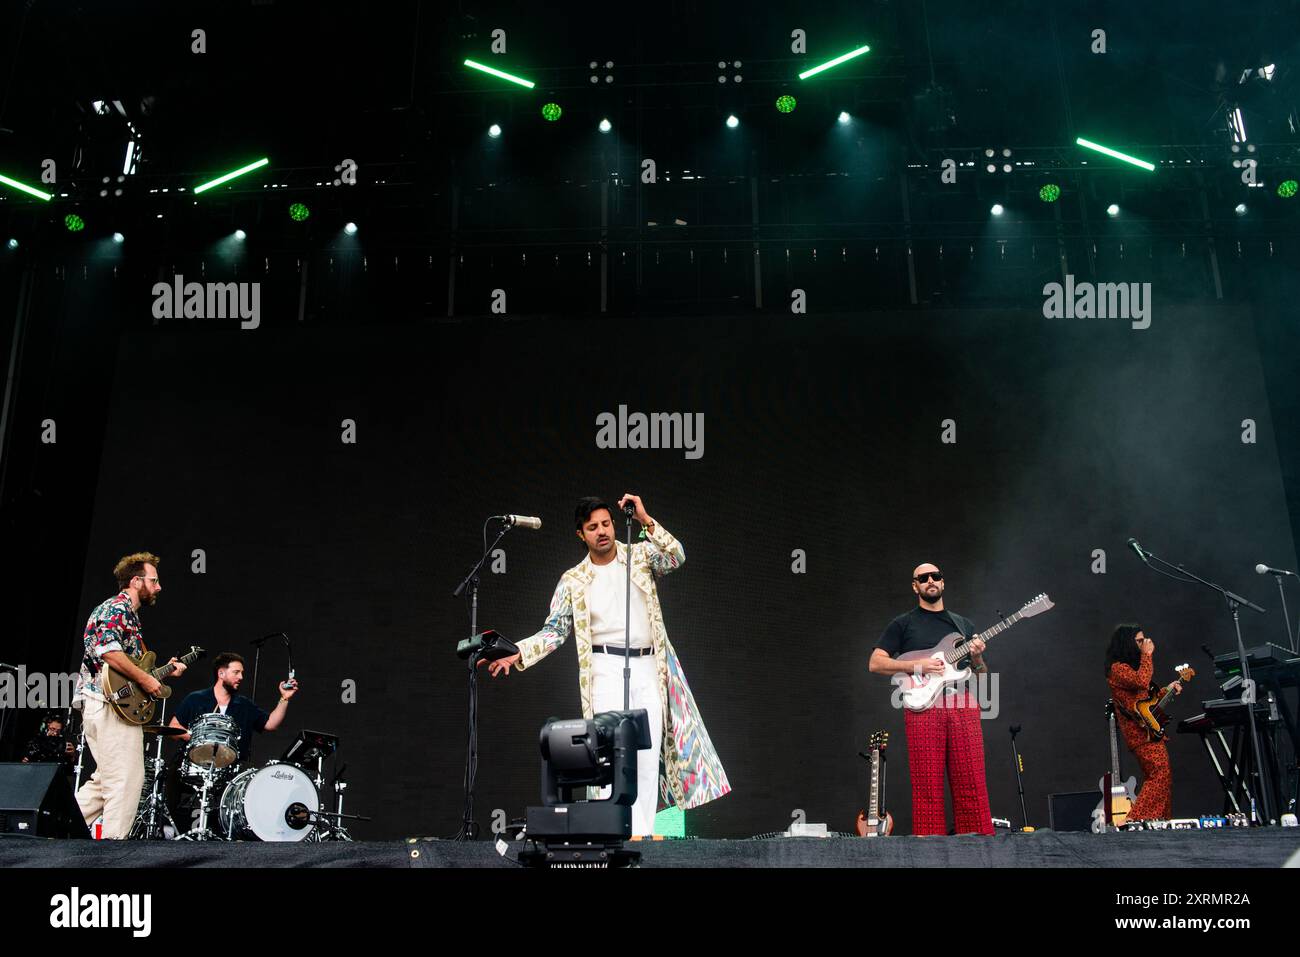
112	638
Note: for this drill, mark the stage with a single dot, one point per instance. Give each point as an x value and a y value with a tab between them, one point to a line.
1229	848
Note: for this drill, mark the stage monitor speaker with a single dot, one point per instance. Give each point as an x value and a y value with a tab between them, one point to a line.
37	800
1072	811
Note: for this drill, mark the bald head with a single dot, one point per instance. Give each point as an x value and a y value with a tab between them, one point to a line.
927	584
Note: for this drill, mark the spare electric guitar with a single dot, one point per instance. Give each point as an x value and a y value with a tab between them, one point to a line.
870	822
919	691
1150	711
1116	798
126	697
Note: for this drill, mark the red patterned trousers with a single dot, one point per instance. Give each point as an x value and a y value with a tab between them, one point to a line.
948	738
1155	796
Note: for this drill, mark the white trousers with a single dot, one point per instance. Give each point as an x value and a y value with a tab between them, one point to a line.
114	789
607	695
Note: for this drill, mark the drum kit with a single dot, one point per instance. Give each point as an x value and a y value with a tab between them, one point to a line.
277	802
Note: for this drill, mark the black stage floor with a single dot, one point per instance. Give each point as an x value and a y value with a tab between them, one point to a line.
1263	847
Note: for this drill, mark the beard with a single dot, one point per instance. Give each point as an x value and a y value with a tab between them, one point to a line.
148	598
600	549
230	689
929	598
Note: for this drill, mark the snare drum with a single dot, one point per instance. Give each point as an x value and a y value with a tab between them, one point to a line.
269	804
214	740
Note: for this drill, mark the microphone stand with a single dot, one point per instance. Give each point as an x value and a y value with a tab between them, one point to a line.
468	826
629	511
4	712
1020	784
1234	602
257	657
1286	615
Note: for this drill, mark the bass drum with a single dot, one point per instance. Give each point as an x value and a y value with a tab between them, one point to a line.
269	804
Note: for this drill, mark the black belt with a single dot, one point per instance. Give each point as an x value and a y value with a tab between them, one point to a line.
611	650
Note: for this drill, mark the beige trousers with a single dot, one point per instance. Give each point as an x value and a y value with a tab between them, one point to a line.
114	789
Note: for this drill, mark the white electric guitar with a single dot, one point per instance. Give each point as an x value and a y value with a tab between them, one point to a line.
919	691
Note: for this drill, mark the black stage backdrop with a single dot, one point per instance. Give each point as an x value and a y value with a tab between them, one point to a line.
820	434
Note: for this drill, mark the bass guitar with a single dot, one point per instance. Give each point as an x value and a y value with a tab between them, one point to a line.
1150	711
126	697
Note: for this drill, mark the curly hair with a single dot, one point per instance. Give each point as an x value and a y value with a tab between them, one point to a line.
1123	648
131	565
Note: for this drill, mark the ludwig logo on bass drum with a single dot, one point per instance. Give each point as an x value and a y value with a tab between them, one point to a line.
282	775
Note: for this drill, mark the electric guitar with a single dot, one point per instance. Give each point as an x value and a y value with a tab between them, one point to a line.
919	691
870	823
1116	798
126	697
1150	711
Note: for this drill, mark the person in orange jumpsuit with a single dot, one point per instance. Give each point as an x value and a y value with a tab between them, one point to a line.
1129	665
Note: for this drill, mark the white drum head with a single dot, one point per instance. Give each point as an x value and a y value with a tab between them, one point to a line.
270	793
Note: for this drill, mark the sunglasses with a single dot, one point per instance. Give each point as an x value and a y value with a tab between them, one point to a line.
926	576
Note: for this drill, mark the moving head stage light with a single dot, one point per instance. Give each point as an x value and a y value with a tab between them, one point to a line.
577	754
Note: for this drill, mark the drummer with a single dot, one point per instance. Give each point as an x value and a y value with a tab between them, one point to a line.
223	697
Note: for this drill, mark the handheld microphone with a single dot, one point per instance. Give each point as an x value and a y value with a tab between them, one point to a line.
1133	544
520	521
1265	570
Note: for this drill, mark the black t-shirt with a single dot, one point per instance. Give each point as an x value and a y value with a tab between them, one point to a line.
921	630
245	713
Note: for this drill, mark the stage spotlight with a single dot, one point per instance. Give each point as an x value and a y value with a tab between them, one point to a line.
1049	192
844	117
785	103
732	121
552	112
1241	209
494	130
606	126
119	238
350	229
997	209
240	235
299	212
991	168
12	244
1112	210
1287	188
74	223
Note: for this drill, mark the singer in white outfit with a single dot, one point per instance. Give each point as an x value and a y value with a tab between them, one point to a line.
590	603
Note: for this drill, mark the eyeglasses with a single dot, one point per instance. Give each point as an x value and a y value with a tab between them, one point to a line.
142	578
922	578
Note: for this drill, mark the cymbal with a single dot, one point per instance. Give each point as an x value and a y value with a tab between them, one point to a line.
165	732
